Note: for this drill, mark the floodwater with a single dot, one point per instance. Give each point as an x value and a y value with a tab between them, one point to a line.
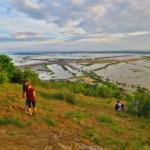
59	72
137	73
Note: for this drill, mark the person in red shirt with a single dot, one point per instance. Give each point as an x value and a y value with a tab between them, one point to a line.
30	96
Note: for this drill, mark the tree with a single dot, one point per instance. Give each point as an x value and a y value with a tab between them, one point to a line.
32	75
7	66
3	77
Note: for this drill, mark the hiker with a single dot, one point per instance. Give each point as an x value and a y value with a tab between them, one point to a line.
121	107
24	87
30	97
135	104
117	105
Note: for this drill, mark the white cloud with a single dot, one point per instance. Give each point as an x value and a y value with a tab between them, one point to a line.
98	10
64	21
22	35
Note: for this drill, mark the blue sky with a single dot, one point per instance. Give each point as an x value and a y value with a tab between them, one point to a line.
95	25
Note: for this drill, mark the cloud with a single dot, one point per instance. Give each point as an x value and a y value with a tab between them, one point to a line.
24	37
74	21
92	16
21	35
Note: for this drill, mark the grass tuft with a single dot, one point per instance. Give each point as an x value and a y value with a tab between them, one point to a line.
50	121
5	121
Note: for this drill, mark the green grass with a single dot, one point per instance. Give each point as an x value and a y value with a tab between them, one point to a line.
76	115
105	119
50	121
5	121
90	132
94	116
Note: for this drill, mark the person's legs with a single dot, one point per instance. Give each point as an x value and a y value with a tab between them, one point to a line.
30	111
26	106
34	106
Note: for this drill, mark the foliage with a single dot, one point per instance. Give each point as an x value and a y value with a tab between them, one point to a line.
5	121
143	107
32	75
7	66
10	72
3	77
18	76
50	121
75	115
60	96
45	95
91	133
105	119
70	98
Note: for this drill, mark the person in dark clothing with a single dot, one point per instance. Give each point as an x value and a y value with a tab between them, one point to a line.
117	105
30	96
135	104
24	87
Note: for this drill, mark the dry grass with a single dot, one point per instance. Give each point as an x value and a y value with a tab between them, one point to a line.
59	124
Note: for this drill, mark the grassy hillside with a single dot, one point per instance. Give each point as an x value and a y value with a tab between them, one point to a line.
68	121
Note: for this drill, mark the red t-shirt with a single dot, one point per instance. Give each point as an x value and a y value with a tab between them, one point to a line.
30	95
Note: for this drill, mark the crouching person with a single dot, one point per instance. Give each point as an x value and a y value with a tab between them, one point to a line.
121	108
30	96
117	105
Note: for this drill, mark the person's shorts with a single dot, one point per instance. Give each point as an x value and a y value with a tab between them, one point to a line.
26	103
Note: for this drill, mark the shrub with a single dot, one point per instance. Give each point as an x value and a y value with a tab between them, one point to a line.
60	96
45	95
143	107
70	98
7	65
32	75
17	76
3	77
105	92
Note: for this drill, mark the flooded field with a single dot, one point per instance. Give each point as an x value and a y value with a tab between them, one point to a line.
128	69
133	74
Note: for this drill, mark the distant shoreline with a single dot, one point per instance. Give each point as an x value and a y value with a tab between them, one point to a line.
75	52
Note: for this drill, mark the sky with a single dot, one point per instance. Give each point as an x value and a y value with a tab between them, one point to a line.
74	25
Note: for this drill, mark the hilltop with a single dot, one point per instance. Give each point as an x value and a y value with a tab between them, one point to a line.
68	120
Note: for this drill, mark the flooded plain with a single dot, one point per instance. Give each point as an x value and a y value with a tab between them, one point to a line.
132	74
127	72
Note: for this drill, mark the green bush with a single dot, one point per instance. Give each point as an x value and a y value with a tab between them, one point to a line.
105	92
7	66
59	96
32	75
143	107
70	98
3	77
45	95
18	76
